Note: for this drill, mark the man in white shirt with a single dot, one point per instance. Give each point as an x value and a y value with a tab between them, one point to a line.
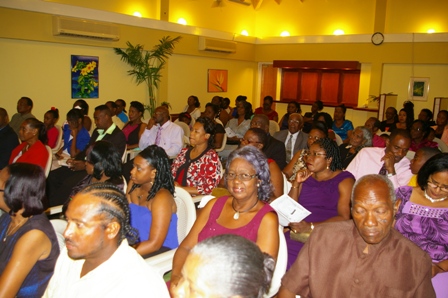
97	260
293	138
162	132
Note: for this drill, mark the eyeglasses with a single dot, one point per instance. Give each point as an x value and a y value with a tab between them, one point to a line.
315	154
241	177
313	138
436	185
249	142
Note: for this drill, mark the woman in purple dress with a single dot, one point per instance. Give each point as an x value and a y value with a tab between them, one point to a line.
423	216
322	188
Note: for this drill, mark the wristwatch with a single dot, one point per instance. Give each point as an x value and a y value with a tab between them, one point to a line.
390	174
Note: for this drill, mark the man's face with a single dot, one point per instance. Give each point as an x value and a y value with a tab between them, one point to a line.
390	114
399	146
159	115
102	120
372	210
120	106
85	234
295	123
258	122
23	107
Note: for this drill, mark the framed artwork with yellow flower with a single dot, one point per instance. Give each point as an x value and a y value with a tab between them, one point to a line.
85	79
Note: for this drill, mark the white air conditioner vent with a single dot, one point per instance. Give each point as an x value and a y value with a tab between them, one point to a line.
216	45
85	28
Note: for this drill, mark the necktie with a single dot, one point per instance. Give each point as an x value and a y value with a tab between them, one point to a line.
289	149
383	170
159	133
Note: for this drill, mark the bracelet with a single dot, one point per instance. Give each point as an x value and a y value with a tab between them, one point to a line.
295	186
312	226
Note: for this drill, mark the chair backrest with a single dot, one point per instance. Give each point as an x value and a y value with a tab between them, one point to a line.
49	161
184	127
280	265
442	146
186	141
273	127
59	226
286	184
410	155
124	157
186	212
224	141
59	141
338	139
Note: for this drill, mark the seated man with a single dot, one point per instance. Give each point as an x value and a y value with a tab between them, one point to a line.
293	138
274	149
365	257
97	260
373	124
389	162
24	107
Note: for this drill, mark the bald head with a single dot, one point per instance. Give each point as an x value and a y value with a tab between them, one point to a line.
260	121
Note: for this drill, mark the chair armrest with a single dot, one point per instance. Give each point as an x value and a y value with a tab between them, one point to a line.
162	262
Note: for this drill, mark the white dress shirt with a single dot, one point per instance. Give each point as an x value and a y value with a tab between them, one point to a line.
171	138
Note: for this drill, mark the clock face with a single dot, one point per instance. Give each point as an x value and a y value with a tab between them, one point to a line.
377	38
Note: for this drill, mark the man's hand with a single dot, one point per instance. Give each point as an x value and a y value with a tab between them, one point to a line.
76	165
389	162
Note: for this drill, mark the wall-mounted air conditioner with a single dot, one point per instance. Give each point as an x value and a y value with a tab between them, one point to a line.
216	45
85	28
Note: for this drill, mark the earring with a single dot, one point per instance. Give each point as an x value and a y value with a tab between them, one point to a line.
328	167
258	185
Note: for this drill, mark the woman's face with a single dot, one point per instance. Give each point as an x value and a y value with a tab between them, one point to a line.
437	187
316	160
314	135
241	110
49	120
142	172
134	114
402	117
209	113
26	132
441	119
314	108
357	138
239	189
4	176
198	136
416	130
291	108
251	139
338	113
190	101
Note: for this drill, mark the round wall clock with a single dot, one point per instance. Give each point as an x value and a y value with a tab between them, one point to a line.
377	38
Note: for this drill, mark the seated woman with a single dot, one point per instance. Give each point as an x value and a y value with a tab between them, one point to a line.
404	122
241	123
267	109
211	111
341	126
197	169
361	137
257	137
441	123
245	213
297	163
322	188
50	119
192	107
151	202
226	266
134	128
419	136
75	135
422	216
33	135
82	105
293	107
29	247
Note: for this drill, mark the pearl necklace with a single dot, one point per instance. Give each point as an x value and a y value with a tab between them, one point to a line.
236	216
434	200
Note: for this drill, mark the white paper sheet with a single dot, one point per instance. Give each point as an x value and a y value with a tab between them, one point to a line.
289	210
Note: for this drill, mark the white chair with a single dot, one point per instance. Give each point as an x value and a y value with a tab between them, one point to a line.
59	226
273	127
442	146
49	161
124	157
186	215
410	155
186	141
184	127
132	153
59	141
280	265
286	185
224	141
338	139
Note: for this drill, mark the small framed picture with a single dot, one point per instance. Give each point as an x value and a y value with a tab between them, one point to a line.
418	89
217	80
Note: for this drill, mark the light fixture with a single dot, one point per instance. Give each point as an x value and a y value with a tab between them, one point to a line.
431	31
137	14
182	21
245	33
284	33
338	32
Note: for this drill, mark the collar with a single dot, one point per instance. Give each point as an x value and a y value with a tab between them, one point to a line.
373	248
167	123
293	134
108	131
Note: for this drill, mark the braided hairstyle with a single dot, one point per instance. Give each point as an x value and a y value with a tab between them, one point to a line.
114	206
332	151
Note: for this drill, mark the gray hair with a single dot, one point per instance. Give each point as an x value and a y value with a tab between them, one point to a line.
375	177
367	135
260	164
233	266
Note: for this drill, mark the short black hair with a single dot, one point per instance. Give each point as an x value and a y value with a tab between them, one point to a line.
74	115
268	97
25	188
105	158
29	101
320	105
436	164
41	130
400	132
428	113
138	106
105	109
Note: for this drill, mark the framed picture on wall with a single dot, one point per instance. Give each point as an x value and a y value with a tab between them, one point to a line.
217	80
418	89
84	76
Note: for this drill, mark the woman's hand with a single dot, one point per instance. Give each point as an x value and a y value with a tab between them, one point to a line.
300	227
76	165
302	175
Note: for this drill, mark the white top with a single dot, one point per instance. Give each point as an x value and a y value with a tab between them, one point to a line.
171	138
195	114
124	274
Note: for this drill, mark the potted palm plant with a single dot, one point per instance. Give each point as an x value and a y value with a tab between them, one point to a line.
146	65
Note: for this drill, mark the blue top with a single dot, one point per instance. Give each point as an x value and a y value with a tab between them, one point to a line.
82	139
123	117
342	131
141	219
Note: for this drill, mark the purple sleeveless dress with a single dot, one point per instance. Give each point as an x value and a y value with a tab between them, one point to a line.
249	231
428	228
321	199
